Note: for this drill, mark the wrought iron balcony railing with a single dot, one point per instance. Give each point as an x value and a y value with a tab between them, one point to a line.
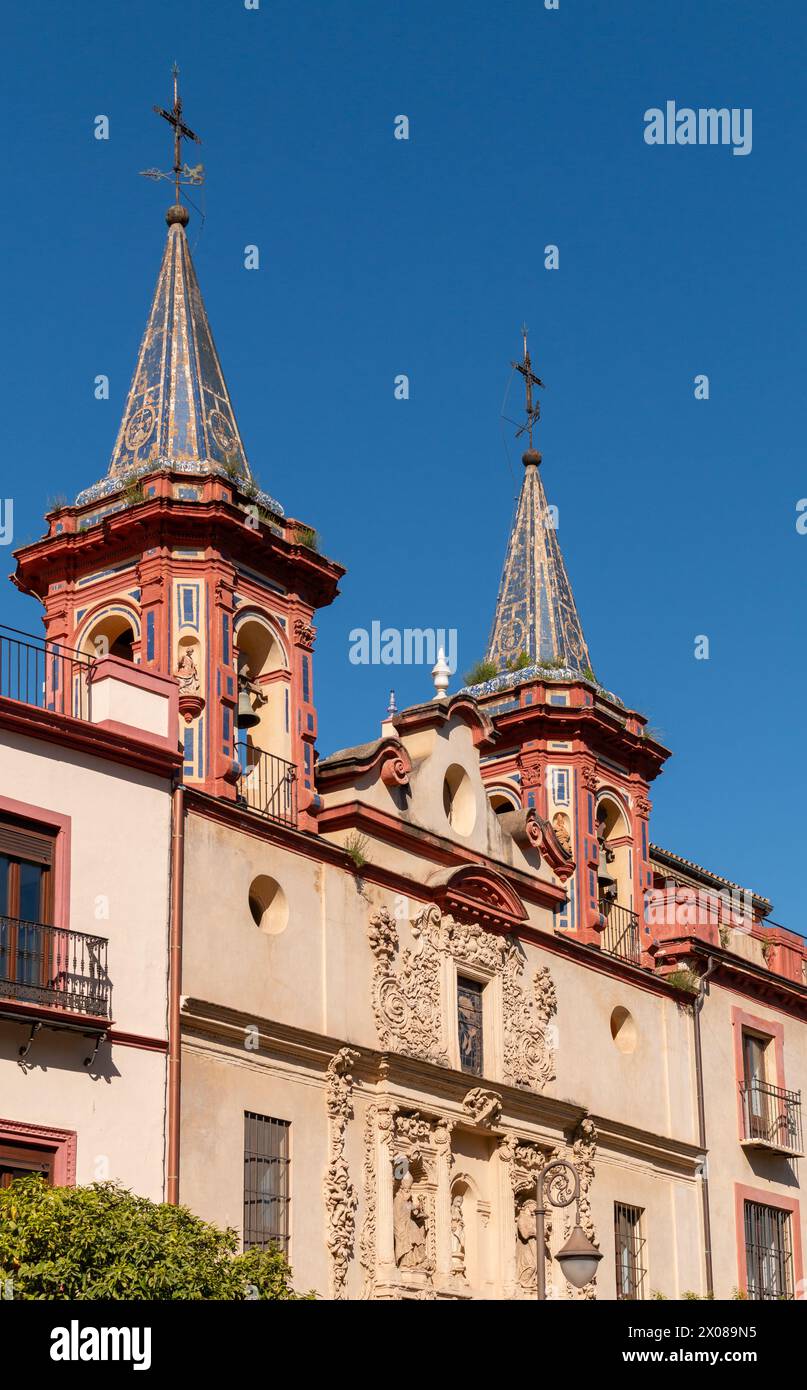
268	785
54	967
620	936
44	674
771	1117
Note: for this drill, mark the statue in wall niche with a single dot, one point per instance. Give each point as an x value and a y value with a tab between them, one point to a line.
563	830
527	1245
186	673
409	1226
457	1235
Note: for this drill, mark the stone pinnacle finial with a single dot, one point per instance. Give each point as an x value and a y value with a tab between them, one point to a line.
440	674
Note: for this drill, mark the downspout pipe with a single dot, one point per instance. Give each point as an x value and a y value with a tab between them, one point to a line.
707	1220
175	990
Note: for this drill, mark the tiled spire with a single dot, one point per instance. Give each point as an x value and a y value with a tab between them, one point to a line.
535	609
178	407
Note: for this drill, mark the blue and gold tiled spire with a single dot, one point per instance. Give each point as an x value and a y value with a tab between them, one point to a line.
535	608
178	407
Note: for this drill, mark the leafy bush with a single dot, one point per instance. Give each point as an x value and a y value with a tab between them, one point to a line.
481	672
104	1242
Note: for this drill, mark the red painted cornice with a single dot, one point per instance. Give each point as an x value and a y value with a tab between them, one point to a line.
170	522
739	975
596	728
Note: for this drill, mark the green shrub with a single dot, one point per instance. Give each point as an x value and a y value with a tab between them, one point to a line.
481	672
104	1242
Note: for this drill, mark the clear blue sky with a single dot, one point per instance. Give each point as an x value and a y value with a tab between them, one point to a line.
378	256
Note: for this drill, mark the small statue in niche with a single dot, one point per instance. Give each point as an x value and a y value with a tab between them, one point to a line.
186	673
457	1235
527	1245
409	1226
563	830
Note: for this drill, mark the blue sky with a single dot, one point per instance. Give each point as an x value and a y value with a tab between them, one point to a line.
379	257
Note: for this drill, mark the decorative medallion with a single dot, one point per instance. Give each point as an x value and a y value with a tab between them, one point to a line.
141	427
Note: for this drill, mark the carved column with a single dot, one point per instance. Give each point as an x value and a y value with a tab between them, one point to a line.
442	1212
385	1236
505	1214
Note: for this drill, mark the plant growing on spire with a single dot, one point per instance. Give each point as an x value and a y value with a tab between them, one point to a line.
481	672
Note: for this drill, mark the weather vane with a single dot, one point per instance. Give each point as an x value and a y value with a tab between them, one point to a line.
530	380
182	174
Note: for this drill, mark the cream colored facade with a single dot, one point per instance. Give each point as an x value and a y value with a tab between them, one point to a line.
337	1013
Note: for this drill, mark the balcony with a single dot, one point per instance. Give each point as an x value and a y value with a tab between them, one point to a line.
620	936
53	968
43	674
771	1119
268	785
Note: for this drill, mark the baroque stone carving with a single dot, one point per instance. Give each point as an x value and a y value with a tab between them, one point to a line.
409	1226
340	1195
406	1002
304	634
484	1107
407	999
457	1236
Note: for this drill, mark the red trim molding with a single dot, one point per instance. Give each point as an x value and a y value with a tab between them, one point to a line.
743	1194
54	820
60	1144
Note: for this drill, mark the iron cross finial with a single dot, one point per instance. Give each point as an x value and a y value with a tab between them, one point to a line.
182	174
530	380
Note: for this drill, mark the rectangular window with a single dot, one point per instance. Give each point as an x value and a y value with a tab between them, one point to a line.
630	1249
469	1025
754	1076
18	1162
768	1252
266	1182
26	902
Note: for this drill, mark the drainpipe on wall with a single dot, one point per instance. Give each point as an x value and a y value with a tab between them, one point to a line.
174	989
707	1220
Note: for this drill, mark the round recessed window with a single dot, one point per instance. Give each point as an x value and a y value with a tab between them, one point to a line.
459	802
623	1030
268	905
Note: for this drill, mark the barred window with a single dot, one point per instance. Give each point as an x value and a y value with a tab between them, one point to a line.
266	1182
470	1024
630	1251
768	1252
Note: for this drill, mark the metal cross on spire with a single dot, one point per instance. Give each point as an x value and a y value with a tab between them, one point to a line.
182	173
530	380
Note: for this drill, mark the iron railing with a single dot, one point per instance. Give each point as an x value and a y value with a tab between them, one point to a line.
620	936
268	785
772	1116
36	672
55	967
768	1253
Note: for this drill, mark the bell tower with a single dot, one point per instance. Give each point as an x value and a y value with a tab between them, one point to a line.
567	747
178	562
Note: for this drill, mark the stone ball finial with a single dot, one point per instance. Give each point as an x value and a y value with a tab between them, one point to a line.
177	213
531	456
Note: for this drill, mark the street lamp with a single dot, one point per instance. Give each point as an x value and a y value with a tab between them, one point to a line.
579	1258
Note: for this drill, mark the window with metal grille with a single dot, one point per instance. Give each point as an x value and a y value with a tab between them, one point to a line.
266	1182
629	1244
469	1025
768	1252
